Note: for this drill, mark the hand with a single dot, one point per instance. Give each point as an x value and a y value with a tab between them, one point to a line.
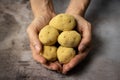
84	27
35	45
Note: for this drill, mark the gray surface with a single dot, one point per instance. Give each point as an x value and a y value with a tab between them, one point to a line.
16	61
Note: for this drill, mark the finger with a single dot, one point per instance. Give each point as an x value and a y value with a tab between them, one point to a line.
33	38
78	58
86	38
60	66
37	56
53	66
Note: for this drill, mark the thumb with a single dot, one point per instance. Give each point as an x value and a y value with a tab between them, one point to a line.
35	45
34	40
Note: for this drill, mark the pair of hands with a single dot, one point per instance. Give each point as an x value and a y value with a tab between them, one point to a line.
83	26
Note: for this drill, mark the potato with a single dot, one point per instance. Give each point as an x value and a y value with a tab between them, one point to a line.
63	22
65	54
69	38
48	35
49	53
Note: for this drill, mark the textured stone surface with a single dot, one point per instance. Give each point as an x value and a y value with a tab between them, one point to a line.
16	61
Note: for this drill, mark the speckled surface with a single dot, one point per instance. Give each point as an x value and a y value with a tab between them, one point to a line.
102	63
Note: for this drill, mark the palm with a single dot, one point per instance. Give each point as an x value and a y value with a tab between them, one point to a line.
33	31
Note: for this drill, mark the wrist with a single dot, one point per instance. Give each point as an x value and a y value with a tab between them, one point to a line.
44	17
42	7
71	12
76	10
48	14
78	7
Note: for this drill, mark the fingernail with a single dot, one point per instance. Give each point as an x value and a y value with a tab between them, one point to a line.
37	47
81	48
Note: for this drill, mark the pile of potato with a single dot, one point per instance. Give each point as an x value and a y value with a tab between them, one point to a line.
59	38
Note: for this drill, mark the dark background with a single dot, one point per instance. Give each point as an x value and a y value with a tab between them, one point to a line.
102	63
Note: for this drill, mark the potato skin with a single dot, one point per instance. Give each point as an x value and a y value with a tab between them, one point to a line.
48	35
63	22
59	39
49	53
65	54
69	38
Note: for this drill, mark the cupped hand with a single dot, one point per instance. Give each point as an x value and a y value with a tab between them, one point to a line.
84	28
35	44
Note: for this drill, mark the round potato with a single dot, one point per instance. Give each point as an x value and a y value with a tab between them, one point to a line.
69	38
65	54
63	22
48	35
49	53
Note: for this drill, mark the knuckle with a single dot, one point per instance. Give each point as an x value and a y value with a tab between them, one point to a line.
30	28
87	41
88	25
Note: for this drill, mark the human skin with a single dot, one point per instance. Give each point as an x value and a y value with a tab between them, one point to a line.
77	8
43	12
